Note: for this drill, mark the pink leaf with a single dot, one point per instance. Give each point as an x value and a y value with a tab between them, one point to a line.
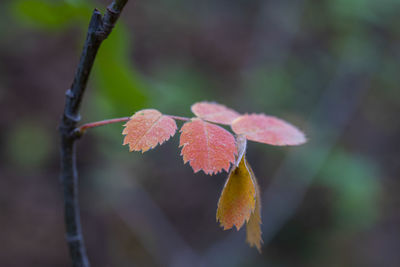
206	146
267	129
146	129
214	112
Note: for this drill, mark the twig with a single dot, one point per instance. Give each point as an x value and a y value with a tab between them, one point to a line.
179	118
99	28
82	129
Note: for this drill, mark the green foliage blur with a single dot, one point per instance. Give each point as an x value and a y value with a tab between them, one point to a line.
115	77
330	67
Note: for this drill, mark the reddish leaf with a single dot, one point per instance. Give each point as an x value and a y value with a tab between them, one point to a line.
214	112
206	146
146	129
238	198
268	130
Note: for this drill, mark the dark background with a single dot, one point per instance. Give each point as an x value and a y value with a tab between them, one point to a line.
331	67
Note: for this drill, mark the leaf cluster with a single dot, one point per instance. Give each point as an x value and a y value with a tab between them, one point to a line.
210	148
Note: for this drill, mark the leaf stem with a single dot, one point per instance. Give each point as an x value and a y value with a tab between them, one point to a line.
86	126
179	118
81	130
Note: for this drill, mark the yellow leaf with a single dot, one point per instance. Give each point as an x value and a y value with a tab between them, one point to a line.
253	226
238	197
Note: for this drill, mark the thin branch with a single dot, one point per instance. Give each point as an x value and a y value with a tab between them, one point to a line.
82	129
179	118
99	28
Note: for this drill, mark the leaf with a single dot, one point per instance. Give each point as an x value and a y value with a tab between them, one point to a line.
147	128
238	198
214	112
253	226
267	129
206	146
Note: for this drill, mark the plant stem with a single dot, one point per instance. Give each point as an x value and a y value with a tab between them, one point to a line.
86	126
81	130
178	118
99	28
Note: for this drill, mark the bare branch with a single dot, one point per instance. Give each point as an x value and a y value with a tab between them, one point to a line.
99	28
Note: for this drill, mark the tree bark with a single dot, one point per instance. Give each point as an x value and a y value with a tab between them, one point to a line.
99	28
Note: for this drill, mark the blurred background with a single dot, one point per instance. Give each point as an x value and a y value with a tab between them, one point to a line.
331	67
